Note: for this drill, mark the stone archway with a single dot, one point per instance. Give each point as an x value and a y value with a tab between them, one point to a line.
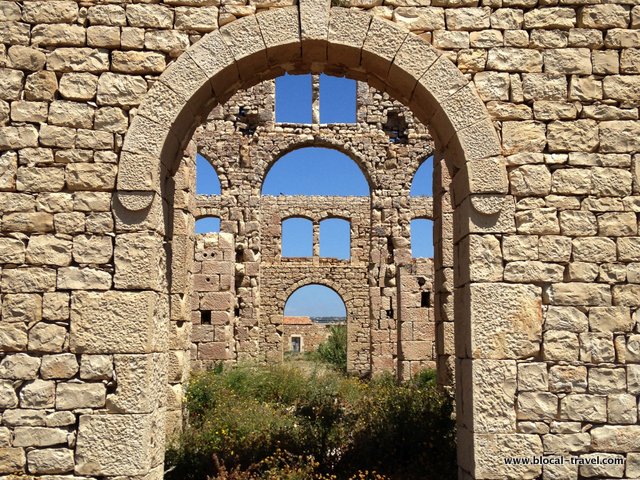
314	37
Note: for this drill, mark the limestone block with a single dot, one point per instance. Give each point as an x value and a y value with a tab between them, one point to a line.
29	111
485	266
8	397
26	58
581	135
492	85
596	347
59	35
622	439
201	19
12	460
55	306
611	182
13	338
610	319
61	366
39	437
629	249
47	337
75	278
13	81
92	249
520	247
112	322
120	90
617	224
107	15
141	380
578	294
18	137
78	86
530	180
511	320
619	136
491	449
508	59
533	272
280	29
96	367
41	86
622	408
48	250
103	37
70	396
560	345
539	221
568	60
19	366
383	40
50	461
22	308
45	12
607	380
524	136
570	319
594	249
78	60
38	394
626	295
28	280
11	251
568	379
138	63
149	16
553	17
244	40
116	444
468	18
420	19
111	119
561	444
532	376
139	260
585	408
91	176
537	406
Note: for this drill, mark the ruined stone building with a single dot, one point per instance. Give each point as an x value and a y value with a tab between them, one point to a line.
531	108
242	280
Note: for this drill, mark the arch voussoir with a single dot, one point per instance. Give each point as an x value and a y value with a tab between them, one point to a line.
280	29
245	42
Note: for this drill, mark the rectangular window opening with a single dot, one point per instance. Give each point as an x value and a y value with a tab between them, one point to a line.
205	317
425	299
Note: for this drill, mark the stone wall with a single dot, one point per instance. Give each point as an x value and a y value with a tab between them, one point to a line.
243	133
533	106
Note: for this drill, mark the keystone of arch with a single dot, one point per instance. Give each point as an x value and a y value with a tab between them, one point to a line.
258	47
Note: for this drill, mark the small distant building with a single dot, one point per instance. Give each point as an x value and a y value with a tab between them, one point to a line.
302	334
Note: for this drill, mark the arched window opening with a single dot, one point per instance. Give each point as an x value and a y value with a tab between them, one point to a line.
335	238
208	225
297	237
337	99
207	181
315	171
421	238
422	185
293	99
316	302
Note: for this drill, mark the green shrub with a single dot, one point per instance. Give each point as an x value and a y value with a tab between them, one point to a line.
284	423
334	350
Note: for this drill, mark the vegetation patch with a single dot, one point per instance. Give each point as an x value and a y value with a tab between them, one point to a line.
290	423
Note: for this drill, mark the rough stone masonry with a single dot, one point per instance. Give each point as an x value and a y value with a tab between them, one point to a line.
533	109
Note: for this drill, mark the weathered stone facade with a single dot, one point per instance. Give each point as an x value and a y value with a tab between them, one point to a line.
533	106
242	141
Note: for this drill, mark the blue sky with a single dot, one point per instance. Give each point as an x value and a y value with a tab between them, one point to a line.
315	301
318	171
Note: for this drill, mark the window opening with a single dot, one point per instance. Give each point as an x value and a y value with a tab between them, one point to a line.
315	171
297	237
421	238
318	303
425	299
207	180
293	99
422	185
337	99
296	343
208	225
205	317
335	238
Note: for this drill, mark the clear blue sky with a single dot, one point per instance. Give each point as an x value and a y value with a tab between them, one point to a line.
315	301
318	171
